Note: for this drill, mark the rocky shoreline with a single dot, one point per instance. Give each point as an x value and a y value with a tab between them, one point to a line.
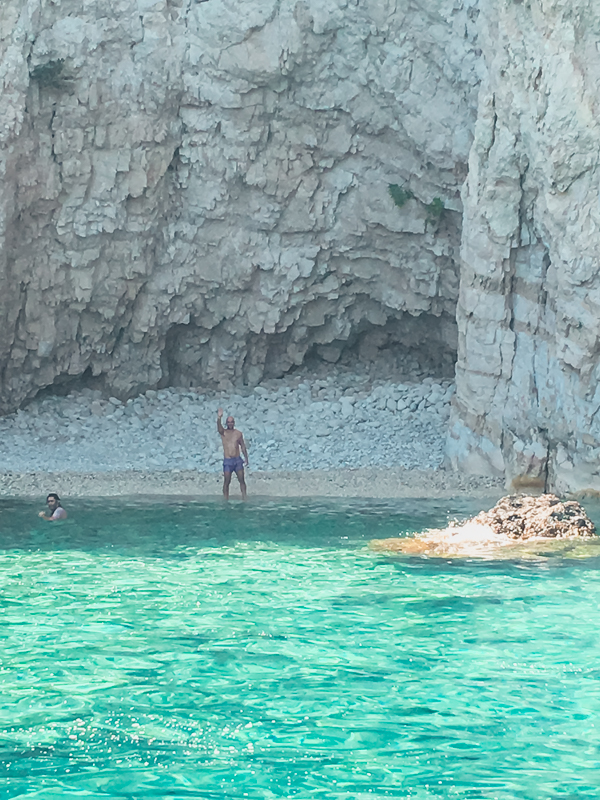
342	421
189	485
340	435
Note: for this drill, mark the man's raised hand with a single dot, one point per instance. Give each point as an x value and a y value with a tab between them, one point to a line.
220	413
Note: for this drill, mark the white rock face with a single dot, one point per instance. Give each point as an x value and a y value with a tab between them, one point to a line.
529	309
197	192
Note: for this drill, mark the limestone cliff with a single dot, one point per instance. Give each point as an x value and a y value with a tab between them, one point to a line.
197	192
529	309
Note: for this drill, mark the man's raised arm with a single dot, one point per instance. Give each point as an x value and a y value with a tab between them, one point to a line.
220	427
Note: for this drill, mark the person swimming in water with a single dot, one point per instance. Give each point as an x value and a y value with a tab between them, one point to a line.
233	442
54	507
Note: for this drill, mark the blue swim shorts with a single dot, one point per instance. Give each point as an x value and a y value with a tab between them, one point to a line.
233	464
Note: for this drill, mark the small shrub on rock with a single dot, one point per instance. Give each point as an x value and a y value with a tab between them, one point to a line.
50	74
399	194
435	209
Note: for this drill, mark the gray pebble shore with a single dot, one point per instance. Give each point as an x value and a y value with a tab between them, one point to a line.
293	424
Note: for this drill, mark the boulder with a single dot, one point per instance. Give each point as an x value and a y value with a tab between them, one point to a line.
513	519
526	517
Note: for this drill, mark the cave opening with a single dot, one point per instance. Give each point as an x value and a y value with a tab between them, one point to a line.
408	348
405	347
65	384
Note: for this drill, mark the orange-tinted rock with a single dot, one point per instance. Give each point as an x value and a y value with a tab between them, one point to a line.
511	520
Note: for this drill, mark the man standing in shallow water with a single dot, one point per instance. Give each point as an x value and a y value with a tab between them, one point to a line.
233	441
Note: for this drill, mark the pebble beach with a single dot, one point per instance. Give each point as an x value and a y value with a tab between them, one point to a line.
352	430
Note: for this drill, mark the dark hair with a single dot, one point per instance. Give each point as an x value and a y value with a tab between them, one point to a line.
54	496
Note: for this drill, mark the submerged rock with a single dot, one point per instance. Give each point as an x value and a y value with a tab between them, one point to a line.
511	521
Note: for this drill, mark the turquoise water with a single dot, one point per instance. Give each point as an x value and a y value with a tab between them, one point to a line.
202	651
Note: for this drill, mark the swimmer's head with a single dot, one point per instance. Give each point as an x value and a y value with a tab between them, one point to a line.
53	500
230	422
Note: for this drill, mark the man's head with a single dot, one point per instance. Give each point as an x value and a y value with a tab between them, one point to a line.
230	423
53	501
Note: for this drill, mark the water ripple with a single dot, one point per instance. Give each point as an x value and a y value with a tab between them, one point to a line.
194	651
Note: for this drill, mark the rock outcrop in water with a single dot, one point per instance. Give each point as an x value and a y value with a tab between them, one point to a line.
197	193
518	518
525	517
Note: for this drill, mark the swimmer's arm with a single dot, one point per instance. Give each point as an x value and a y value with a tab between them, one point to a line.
43	515
220	427
244	450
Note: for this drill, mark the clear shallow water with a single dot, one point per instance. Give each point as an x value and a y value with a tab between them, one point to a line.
197	651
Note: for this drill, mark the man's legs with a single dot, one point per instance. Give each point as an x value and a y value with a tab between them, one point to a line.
241	479
226	482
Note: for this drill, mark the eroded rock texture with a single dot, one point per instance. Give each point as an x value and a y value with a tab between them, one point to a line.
197	192
526	517
529	310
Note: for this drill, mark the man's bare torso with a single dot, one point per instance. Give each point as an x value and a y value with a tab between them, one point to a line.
232	441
